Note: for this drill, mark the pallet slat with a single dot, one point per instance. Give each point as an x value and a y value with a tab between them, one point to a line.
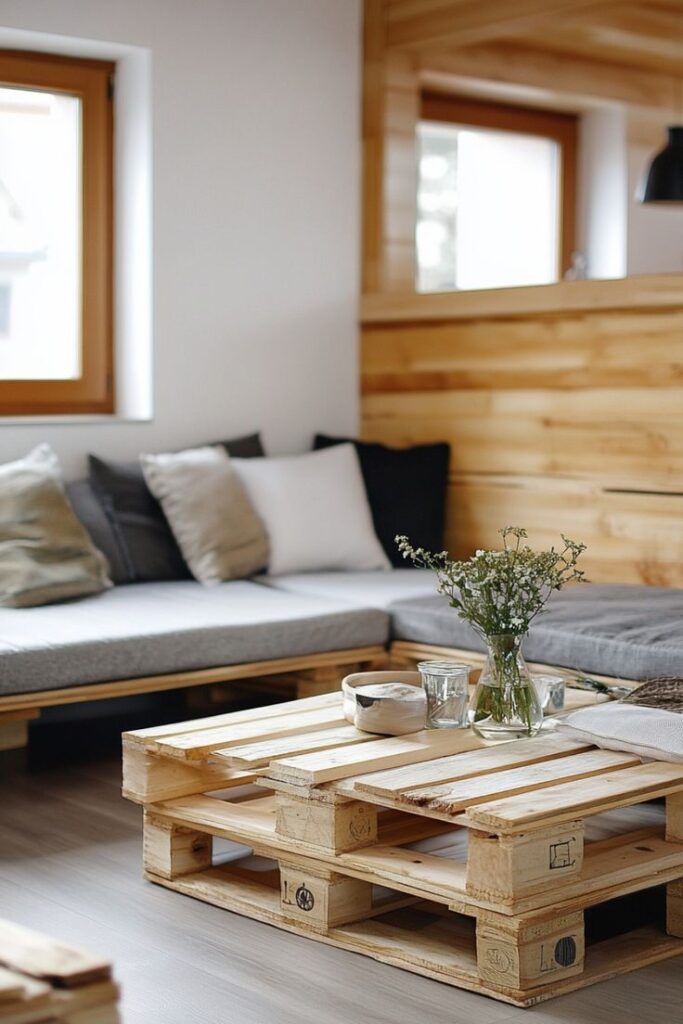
147	737
328	766
195	746
463	765
454	797
12	985
22	949
258	755
571	800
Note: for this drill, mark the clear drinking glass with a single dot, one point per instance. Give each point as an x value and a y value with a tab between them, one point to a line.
446	684
549	690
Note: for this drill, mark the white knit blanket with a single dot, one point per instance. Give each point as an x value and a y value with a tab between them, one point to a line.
648	732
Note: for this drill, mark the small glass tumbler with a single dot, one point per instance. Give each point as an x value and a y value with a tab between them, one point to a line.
446	684
550	691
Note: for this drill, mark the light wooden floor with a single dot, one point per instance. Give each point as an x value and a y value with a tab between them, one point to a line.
70	865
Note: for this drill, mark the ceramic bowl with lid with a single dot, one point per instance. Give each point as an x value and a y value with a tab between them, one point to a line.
386	703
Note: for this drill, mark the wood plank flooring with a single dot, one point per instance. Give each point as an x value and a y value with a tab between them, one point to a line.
70	864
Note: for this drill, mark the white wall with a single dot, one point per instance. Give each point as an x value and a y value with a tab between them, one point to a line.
603	191
256	218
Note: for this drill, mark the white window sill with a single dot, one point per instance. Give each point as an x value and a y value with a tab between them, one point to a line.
70	418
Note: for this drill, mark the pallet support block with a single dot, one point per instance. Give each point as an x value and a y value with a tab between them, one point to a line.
148	778
674	818
532	955
171	850
321	900
333	827
14	728
509	866
674	909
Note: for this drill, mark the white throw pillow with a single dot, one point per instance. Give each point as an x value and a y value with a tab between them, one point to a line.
217	530
647	732
315	510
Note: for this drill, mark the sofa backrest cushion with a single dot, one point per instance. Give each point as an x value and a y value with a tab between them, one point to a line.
148	546
213	520
315	511
91	515
406	491
46	555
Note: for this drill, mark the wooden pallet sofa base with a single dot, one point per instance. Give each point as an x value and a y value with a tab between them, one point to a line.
308	675
472	863
405	653
44	980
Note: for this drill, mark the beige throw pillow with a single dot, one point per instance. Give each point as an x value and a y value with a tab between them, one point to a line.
45	553
217	529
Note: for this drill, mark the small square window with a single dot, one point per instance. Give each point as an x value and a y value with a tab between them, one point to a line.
495	195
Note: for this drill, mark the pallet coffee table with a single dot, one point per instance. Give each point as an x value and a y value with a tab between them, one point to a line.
521	870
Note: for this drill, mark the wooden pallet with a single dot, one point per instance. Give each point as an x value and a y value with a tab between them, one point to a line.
477	864
44	980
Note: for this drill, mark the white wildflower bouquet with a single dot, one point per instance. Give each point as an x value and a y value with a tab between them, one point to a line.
501	592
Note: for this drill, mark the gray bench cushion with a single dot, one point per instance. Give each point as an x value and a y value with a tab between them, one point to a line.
373	589
153	628
631	632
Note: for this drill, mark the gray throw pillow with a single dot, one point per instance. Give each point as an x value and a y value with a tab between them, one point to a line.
91	514
46	554
217	529
146	544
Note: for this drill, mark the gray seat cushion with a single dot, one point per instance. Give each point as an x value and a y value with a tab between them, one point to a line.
154	628
379	588
632	632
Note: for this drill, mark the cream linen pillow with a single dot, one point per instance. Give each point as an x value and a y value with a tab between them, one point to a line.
46	554
647	732
315	509
217	529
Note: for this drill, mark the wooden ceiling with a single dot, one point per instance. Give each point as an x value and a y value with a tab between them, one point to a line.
639	41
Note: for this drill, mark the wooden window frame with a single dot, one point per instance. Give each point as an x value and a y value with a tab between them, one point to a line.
549	124
91	82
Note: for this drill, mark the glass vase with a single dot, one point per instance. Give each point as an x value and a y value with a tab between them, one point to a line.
505	704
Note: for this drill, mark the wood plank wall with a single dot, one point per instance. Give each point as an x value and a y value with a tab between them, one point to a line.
563	404
570	422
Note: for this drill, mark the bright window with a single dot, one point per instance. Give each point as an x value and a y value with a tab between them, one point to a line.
55	235
492	200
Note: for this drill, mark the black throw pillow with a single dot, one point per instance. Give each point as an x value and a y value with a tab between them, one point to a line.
146	546
406	491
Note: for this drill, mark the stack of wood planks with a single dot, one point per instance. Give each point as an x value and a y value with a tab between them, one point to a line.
45	980
475	864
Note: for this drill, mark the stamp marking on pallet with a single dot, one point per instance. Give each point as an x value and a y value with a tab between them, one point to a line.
463	861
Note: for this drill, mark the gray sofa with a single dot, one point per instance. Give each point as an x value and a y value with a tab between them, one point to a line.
621	630
151	629
627	631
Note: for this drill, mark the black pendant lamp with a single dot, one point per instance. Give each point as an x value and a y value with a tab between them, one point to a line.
663	183
664	180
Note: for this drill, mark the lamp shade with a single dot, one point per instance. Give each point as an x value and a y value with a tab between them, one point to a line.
664	181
